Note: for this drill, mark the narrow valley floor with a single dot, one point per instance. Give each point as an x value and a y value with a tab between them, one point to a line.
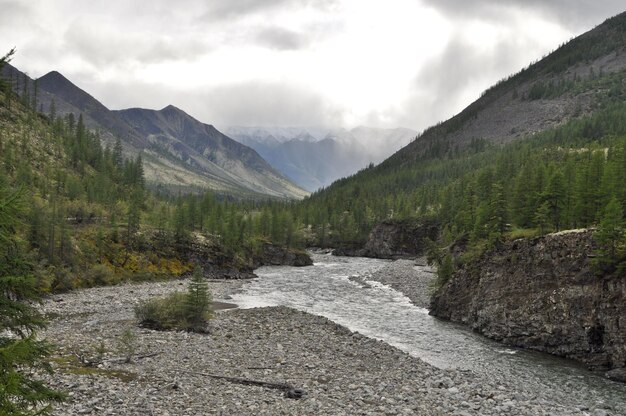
343	373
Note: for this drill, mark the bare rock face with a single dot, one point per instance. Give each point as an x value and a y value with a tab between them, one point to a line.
273	255
395	239
541	294
216	262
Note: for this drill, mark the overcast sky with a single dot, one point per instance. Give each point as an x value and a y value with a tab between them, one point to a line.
332	63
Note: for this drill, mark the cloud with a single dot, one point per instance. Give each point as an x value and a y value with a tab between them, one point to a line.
281	39
109	46
13	12
266	104
250	103
289	62
573	14
452	80
235	9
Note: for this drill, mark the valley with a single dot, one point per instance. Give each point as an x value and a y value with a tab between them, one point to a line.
367	266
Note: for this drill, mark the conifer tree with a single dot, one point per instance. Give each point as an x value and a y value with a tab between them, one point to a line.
20	393
610	237
555	197
197	302
542	217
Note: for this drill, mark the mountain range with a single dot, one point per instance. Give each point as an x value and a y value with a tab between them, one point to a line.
178	151
562	86
315	157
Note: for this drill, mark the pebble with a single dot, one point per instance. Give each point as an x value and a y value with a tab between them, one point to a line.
342	373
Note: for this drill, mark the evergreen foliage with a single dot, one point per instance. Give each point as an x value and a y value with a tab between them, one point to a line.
182	311
611	239
198	302
20	350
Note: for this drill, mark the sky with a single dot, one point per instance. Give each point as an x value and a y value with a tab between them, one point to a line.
330	63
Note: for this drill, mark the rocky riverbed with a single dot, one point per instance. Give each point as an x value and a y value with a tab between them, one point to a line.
343	373
405	277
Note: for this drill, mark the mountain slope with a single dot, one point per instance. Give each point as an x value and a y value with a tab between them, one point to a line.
60	87
204	149
548	93
45	98
481	178
179	151
314	158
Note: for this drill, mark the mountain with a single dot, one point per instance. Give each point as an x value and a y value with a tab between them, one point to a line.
543	150
315	157
60	87
548	93
274	135
178	150
173	133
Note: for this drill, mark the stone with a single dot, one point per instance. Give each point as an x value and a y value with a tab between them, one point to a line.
538	302
617	374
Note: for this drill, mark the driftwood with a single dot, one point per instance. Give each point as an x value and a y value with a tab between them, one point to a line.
290	391
134	357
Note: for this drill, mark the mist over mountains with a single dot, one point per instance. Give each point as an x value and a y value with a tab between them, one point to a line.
315	157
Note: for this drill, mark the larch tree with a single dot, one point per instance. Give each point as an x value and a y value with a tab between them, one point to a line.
20	350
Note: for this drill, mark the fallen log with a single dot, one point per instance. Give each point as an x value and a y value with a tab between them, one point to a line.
288	389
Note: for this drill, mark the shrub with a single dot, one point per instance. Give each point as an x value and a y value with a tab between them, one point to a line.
127	344
99	275
162	313
185	311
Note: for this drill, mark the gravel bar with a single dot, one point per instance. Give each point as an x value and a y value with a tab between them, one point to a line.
408	278
342	373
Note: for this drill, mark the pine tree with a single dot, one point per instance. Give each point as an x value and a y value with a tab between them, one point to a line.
542	217
197	302
610	237
555	197
118	158
20	350
497	210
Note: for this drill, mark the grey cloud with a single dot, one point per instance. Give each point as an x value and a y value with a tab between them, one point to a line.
115	48
245	104
233	9
441	88
574	14
266	104
14	12
281	39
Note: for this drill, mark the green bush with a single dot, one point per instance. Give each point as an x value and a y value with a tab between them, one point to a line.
162	313
183	311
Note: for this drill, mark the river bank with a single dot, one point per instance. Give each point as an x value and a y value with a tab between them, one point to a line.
542	293
341	371
409	277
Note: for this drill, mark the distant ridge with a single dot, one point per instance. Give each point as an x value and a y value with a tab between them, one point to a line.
315	157
179	151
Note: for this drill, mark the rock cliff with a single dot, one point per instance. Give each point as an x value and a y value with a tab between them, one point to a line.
273	255
541	294
395	239
216	262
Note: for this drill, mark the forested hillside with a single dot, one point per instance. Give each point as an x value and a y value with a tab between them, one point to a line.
87	218
571	173
178	151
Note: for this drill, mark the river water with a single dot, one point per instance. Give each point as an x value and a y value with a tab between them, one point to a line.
383	313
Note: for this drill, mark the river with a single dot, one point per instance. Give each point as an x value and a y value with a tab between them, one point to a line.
383	313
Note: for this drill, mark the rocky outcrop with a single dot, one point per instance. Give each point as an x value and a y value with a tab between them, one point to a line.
216	262
273	255
541	294
395	239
